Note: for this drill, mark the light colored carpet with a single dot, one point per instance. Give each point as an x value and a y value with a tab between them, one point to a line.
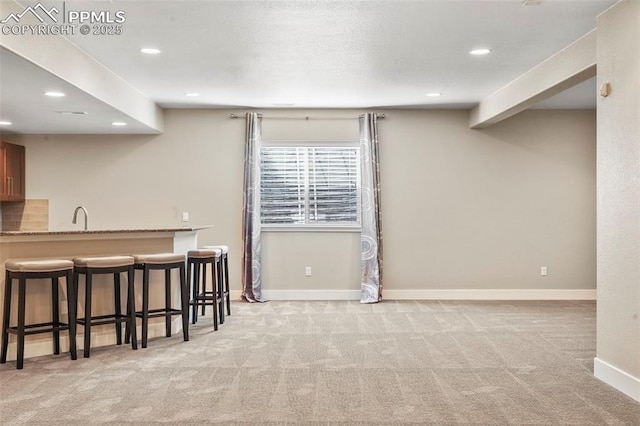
337	362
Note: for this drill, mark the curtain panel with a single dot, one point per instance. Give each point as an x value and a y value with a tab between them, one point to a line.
251	254
371	234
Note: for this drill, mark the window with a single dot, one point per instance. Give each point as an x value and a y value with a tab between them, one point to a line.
310	185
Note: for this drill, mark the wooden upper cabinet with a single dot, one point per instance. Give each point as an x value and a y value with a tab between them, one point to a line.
12	167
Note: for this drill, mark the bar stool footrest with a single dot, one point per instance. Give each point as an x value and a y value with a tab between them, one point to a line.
160	312
105	319
204	300
50	327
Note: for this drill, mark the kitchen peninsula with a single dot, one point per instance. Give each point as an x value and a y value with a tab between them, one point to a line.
70	244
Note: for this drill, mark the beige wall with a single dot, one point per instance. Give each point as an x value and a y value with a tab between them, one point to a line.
485	209
618	346
467	209
334	259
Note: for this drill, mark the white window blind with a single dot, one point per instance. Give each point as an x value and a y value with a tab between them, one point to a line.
310	185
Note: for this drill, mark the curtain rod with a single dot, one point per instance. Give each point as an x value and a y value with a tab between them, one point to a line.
306	117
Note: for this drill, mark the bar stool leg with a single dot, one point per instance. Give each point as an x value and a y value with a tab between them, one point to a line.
127	325
22	285
167	302
218	291
184	301
226	284
145	305
117	303
215	296
204	286
55	310
131	308
195	277
71	309
5	318
87	314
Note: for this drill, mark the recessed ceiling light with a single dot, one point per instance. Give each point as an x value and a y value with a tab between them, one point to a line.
434	94
480	51
192	94
5	123
150	50
55	94
531	2
283	104
72	112
118	123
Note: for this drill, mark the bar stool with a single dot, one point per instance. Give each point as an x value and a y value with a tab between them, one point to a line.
200	296
166	262
224	265
38	269
90	266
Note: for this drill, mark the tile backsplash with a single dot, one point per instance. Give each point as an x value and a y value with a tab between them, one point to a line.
31	215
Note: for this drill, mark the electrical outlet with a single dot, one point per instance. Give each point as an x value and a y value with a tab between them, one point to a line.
543	271
185	216
307	271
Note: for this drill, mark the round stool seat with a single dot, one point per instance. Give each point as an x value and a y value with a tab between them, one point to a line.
203	253
48	265
103	261
159	258
224	249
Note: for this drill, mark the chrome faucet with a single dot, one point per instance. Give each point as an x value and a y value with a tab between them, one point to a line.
86	216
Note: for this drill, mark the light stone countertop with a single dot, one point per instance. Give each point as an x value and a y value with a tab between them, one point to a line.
99	231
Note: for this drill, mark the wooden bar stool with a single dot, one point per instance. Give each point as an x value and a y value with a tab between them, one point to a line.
166	262
197	261
115	265
224	266
38	269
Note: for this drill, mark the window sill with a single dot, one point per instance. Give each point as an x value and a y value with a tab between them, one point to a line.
311	228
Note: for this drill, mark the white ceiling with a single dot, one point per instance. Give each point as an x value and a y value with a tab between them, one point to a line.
312	54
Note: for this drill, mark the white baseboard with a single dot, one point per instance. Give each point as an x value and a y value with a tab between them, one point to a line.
502	294
616	378
461	294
